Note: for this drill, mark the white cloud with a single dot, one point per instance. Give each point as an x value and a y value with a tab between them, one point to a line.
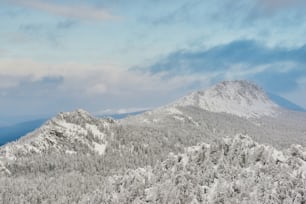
122	110
242	71
93	79
70	11
7	82
97	89
105	88
37	70
93	86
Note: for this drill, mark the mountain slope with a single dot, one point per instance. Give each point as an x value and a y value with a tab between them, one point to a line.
228	108
232	170
229	170
77	158
68	132
239	98
14	132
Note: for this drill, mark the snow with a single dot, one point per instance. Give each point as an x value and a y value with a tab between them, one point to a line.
155	120
146	121
70	152
60	133
95	131
3	169
196	148
71	128
179	118
100	148
212	191
278	155
185	159
303	169
239	98
173	110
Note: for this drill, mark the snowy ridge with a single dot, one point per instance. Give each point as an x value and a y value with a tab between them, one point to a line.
67	132
240	98
233	170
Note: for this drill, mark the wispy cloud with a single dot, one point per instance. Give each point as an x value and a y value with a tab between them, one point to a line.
66	24
122	110
245	59
83	12
181	14
31	27
222	56
91	86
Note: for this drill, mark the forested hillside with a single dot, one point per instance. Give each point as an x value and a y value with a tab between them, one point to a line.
185	152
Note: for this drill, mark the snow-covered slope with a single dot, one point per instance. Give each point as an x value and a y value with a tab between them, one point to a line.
240	98
232	170
228	108
61	162
68	132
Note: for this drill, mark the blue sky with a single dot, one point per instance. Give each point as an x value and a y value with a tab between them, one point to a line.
122	55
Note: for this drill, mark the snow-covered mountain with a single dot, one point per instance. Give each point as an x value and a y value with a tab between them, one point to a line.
228	108
77	158
68	132
240	98
215	112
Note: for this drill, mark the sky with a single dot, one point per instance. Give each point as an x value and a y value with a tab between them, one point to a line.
121	56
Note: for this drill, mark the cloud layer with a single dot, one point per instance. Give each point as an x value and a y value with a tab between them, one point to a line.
277	69
82	12
91	86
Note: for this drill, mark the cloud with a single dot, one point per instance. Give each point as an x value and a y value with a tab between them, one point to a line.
244	59
7	82
82	12
182	13
66	86
66	24
28	97
222	56
31	27
40	32
122	110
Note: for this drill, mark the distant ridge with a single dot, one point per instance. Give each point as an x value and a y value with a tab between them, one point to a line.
14	132
285	103
120	115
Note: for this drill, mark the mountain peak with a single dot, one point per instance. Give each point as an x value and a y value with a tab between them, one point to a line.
241	98
68	132
74	116
237	85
